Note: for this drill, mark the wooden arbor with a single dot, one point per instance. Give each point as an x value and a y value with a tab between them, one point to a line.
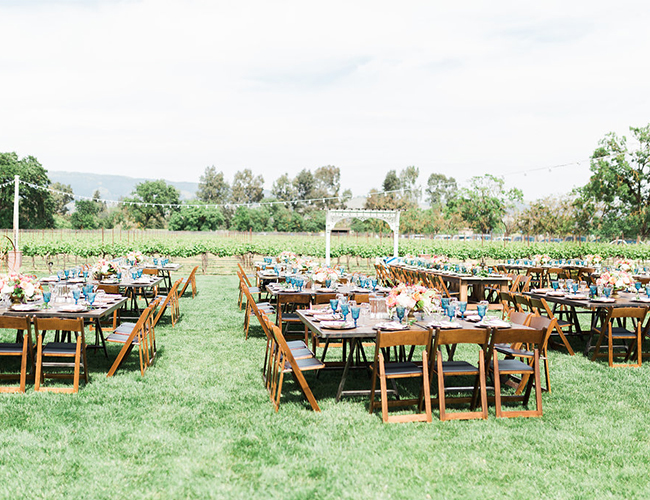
391	217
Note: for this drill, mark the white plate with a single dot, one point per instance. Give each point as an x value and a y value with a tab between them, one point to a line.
390	326
641	299
445	325
494	323
71	308
337	325
324	317
24	307
603	299
325	290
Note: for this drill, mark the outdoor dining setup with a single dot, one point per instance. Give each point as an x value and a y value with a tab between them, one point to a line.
62	310
434	321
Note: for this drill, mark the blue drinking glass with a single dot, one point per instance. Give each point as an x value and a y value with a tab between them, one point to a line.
345	310
328	283
444	301
462	307
481	309
91	298
46	298
607	291
399	310
75	295
593	290
555	284
647	290
355	310
334	304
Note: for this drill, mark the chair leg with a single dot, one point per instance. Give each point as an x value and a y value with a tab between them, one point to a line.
384	392
426	386
441	387
39	364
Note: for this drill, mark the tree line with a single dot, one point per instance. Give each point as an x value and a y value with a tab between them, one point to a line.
615	201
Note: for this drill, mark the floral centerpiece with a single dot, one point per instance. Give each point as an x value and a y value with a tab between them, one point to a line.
542	259
414	298
321	274
104	268
594	259
617	279
439	260
136	257
287	256
19	287
624	264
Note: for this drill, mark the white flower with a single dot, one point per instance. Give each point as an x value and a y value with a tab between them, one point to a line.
28	289
7	289
405	301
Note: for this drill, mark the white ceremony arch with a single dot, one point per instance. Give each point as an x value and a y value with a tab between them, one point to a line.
391	217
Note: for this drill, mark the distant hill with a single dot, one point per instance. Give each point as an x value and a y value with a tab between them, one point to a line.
113	187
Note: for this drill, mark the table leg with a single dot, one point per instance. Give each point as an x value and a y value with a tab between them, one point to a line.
99	336
462	288
348	363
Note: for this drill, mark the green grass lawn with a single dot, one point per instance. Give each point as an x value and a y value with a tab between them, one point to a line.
199	424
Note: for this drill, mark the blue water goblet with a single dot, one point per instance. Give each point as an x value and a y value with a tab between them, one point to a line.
334	304
90	297
66	273
574	287
647	291
555	284
46	298
593	290
355	311
607	291
328	283
444	301
75	295
462	307
637	285
481	309
345	310
399	310
374	284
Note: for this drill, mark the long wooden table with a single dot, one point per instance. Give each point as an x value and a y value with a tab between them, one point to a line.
365	331
96	314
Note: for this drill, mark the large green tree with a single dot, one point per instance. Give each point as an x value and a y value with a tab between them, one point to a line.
213	187
440	189
196	218
618	190
246	187
151	203
62	197
485	203
85	215
548	216
36	203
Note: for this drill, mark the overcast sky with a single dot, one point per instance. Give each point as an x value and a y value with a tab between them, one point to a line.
164	88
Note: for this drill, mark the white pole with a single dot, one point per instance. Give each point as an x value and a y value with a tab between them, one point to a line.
328	235
16	198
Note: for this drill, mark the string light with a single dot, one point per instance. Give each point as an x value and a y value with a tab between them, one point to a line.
322	200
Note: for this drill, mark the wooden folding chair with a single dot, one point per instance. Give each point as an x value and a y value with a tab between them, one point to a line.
247	293
22	347
244	281
610	333
285	312
441	286
190	280
508	303
541	308
538	277
141	335
406	369
443	369
523	303
505	367
75	350
284	362
169	301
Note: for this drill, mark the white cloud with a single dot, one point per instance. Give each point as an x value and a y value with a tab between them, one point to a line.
165	88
